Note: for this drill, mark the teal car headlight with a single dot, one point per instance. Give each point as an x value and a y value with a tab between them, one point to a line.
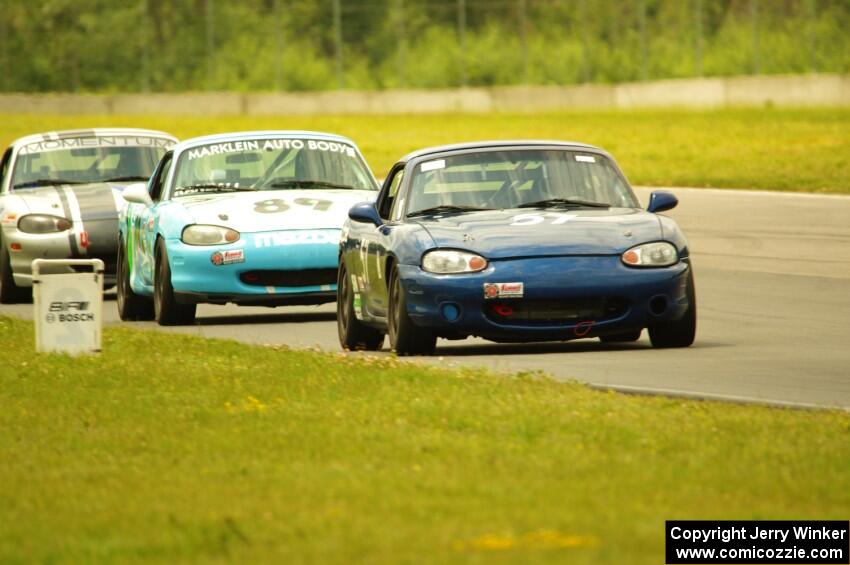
43	223
201	234
655	254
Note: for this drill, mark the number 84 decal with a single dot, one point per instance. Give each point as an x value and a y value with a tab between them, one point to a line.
276	205
532	219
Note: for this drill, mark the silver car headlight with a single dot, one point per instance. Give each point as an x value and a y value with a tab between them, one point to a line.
200	234
43	223
449	261
656	254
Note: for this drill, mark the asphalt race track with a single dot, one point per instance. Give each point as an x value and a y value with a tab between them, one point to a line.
773	288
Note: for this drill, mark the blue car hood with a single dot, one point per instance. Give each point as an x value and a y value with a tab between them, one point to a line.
501	234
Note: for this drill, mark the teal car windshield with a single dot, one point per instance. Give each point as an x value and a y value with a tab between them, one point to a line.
272	164
517	179
87	160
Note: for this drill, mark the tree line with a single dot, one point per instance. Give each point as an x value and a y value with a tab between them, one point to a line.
302	45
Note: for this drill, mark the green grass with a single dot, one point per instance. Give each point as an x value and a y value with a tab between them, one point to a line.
803	150
176	449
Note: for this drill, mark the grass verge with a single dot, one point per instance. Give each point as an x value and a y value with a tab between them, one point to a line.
768	148
173	448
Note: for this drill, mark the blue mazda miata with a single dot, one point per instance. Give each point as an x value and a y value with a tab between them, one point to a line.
512	241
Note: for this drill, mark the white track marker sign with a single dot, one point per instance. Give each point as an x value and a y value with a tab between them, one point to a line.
68	306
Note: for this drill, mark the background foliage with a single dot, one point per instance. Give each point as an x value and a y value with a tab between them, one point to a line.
176	45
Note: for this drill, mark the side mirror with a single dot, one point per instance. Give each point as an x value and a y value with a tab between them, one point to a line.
137	194
366	213
661	200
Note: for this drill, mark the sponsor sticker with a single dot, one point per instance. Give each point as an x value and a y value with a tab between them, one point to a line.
228	257
73	311
504	290
585	159
296	237
433	165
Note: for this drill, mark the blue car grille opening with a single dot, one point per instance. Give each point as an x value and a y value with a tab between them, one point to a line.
565	311
289	278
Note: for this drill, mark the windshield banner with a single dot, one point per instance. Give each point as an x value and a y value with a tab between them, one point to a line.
100	141
270	145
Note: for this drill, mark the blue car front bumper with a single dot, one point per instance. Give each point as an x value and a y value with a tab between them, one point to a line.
274	268
563	298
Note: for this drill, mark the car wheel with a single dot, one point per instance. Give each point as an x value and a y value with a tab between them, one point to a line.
131	306
678	333
406	338
353	334
166	308
10	293
620	338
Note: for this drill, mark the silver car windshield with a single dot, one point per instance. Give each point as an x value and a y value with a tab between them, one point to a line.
86	160
272	164
517	179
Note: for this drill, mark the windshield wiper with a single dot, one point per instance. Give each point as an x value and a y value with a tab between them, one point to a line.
563	203
213	187
308	184
46	182
126	178
446	208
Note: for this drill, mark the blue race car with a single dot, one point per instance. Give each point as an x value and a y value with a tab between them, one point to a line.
249	218
513	242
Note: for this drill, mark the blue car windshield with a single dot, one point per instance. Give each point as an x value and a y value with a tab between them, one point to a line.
518	178
272	164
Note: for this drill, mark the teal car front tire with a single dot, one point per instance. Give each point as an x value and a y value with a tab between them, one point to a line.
131	306
168	311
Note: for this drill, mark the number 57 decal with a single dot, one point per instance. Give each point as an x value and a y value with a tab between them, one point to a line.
532	219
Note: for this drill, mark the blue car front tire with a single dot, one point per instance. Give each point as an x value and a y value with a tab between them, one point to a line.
406	338
353	334
681	332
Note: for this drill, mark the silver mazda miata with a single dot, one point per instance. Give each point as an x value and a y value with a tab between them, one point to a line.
60	194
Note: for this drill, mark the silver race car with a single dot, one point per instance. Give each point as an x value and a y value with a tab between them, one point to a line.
60	194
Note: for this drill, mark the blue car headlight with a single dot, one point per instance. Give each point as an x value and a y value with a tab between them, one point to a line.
452	261
655	254
200	234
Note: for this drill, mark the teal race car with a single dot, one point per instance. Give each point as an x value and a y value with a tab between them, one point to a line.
247	218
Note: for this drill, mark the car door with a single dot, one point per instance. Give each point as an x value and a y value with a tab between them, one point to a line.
144	221
5	168
375	246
